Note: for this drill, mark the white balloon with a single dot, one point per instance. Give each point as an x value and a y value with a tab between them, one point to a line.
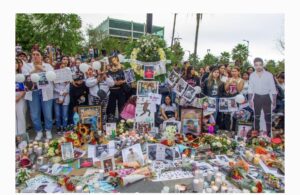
198	89
84	67
121	57
35	77
239	98
20	78
96	65
68	68
50	75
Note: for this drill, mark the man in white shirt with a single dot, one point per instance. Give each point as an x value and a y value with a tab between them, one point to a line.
261	88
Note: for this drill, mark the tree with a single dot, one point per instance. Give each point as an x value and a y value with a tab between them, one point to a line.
177	53
240	54
194	60
225	57
271	66
60	30
198	19
210	59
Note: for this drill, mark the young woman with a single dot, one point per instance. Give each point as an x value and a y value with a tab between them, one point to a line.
99	84
223	73
214	87
235	84
20	102
246	84
40	100
168	109
190	77
62	100
250	70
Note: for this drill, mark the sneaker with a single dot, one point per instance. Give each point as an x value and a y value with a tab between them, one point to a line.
48	134
39	136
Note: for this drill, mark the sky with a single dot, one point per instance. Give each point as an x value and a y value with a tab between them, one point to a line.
217	32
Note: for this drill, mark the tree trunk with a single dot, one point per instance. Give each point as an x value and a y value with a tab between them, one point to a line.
173	29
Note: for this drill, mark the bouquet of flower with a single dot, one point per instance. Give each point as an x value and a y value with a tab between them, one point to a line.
54	148
221	144
23	174
74	138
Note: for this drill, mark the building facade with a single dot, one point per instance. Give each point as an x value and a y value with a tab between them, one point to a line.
127	29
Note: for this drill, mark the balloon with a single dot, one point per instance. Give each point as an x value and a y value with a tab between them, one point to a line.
121	57
96	65
68	68
35	77
84	67
198	89
20	78
50	75
239	98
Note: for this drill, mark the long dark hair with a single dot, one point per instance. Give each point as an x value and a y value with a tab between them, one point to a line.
19	69
210	79
170	100
188	73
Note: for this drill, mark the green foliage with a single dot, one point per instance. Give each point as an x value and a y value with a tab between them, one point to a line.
61	30
225	57
176	54
240	54
194	60
210	59
274	67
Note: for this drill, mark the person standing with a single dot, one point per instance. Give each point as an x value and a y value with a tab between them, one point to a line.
261	88
20	102
40	100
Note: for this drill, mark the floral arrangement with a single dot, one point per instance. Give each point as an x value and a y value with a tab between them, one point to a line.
23	174
222	144
238	170
82	135
54	148
149	48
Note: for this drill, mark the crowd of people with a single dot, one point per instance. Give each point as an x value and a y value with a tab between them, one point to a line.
41	108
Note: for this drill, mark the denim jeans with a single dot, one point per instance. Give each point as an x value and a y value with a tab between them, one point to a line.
61	115
36	106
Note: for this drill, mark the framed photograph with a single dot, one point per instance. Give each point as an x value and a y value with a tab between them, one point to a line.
173	78
142	127
243	130
191	120
101	151
189	93
176	153
88	114
198	102
108	164
110	127
212	104
146	87
67	151
232	105
143	110
22	141
151	151
180	87
223	105
169	154
177	124
129	75
160	68
149	72
133	153
85	162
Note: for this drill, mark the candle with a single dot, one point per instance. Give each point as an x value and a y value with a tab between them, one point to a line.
176	188
196	187
149	162
35	148
198	174
165	189
246	191
218	175
209	175
214	188
224	188
46	145
218	182
101	174
39	151
78	189
193	157
30	150
208	190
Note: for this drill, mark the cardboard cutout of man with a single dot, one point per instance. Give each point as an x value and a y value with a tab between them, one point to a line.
261	89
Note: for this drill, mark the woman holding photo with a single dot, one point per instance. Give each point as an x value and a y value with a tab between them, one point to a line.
62	100
190	77
214	87
40	100
235	84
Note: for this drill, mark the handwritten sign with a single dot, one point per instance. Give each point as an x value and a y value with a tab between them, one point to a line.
63	75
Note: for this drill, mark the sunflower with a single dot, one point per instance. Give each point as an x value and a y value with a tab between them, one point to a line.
83	130
77	143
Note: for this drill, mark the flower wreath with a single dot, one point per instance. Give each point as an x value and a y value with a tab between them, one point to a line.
138	68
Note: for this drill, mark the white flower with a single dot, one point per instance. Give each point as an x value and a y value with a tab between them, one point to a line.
214	144
219	144
228	142
122	121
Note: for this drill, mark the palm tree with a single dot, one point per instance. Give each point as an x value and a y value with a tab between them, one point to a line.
240	54
198	19
225	57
